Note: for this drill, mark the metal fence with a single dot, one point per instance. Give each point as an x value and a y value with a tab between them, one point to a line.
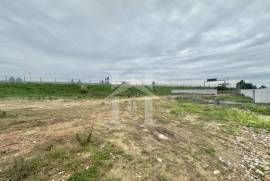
39	79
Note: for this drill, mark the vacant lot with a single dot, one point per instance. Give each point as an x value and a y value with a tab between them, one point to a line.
189	138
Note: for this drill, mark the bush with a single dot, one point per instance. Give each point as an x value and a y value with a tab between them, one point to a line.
83	89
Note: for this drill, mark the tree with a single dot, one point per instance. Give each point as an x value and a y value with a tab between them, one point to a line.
243	85
263	87
12	80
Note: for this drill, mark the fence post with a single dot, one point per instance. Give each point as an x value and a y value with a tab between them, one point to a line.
254	95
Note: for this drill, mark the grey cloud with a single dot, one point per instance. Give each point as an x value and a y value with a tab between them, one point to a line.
171	40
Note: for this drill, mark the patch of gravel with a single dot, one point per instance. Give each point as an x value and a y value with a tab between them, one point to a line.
256	159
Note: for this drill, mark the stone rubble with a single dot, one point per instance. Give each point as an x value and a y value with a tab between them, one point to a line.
256	160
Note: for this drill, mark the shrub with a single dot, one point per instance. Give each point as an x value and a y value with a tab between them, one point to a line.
84	139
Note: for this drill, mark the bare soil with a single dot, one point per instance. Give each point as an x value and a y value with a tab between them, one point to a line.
167	148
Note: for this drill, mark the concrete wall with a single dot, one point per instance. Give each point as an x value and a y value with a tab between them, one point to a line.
262	96
248	93
258	95
196	91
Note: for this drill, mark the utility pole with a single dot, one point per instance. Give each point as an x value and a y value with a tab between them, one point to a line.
30	76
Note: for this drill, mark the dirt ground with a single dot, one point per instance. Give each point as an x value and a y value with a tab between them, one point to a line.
166	147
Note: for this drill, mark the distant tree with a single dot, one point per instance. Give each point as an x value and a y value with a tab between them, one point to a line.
222	87
12	80
263	87
107	80
79	82
19	80
72	81
243	85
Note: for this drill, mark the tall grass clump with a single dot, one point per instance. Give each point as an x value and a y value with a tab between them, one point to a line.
22	169
250	119
3	114
84	139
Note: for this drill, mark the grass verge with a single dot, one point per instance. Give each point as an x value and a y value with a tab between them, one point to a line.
222	113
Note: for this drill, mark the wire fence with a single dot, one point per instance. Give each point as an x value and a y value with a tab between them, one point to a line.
59	80
40	79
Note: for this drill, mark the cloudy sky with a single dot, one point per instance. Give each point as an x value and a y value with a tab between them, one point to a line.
166	40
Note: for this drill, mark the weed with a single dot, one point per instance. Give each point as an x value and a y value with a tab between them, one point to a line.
250	119
83	139
3	114
256	108
235	98
99	159
136	136
209	151
196	126
49	147
189	152
59	153
22	168
242	142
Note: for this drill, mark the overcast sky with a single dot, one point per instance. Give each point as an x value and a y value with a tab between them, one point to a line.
166	40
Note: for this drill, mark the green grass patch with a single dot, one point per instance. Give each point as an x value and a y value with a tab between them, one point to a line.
36	167
234	98
51	91
257	108
99	164
166	90
209	112
189	152
209	151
